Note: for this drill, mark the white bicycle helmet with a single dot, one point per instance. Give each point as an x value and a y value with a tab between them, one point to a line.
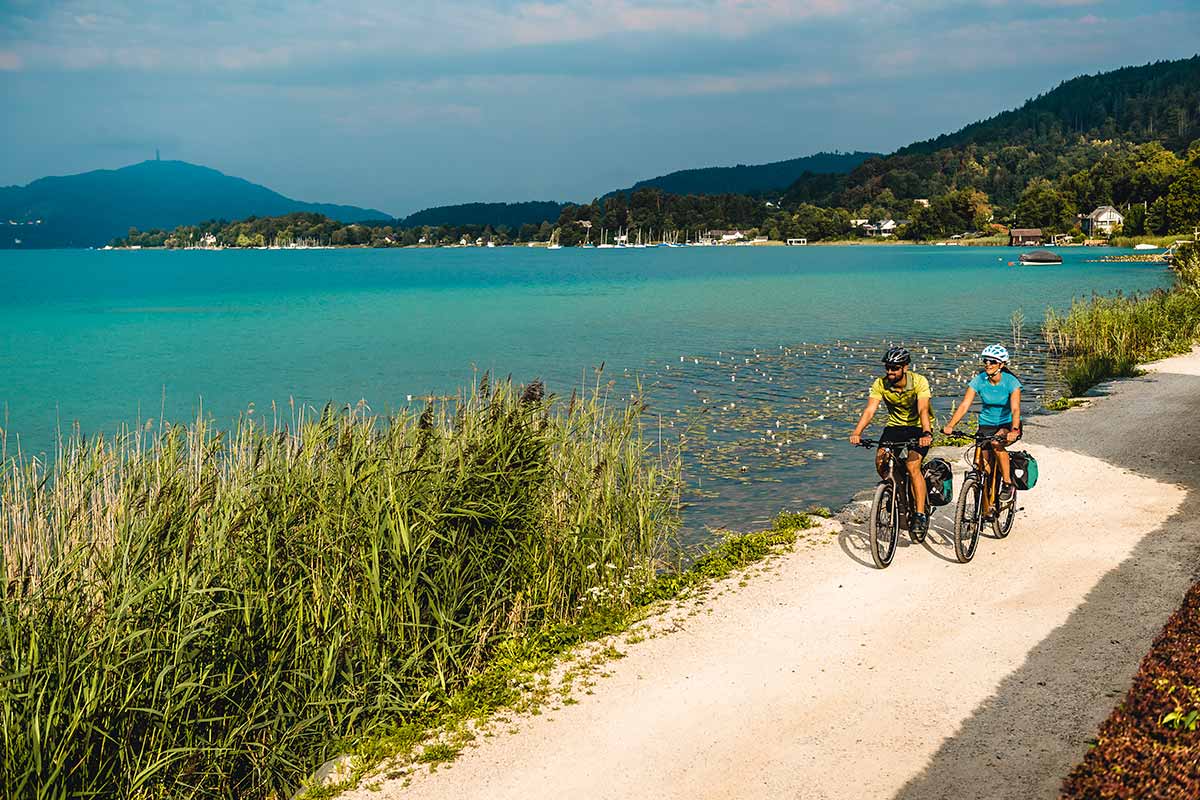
996	351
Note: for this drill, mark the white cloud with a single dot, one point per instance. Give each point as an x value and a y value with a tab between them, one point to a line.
83	34
716	84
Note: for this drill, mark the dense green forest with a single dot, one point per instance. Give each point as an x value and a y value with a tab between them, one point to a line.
1129	138
1055	136
751	179
510	215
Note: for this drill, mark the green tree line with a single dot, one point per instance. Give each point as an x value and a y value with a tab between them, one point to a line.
1157	190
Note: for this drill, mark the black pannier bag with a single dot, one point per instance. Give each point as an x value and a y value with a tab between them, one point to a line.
1024	469
939	481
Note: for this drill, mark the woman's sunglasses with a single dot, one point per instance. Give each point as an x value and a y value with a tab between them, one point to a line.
992	362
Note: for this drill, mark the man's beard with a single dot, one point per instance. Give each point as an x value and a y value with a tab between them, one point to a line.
896	380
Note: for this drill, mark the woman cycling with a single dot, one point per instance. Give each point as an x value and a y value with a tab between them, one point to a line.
1000	393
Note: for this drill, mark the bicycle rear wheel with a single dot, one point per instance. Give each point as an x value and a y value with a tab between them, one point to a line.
967	520
884	529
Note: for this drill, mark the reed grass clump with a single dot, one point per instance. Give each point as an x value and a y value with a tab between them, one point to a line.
1108	335
205	613
1085	371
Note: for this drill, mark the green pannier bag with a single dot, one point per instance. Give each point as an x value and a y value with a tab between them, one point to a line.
1024	469
939	481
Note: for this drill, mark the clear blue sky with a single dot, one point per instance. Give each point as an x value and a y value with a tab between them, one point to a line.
401	105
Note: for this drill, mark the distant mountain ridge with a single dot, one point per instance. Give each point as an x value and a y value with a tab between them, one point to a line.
741	179
91	208
752	178
511	215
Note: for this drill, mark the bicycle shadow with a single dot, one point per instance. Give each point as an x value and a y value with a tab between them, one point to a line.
940	539
855	537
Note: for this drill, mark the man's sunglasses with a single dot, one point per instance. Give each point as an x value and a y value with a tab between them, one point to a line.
992	362
893	367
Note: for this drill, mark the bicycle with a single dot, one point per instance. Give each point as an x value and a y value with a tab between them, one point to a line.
893	507
979	498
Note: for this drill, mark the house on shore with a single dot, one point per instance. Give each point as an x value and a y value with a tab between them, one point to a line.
1104	220
1025	237
885	227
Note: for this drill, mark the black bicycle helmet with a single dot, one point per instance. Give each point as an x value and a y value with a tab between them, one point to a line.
897	355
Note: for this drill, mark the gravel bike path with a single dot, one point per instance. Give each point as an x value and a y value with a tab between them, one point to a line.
826	678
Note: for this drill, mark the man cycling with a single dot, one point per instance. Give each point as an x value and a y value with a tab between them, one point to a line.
907	397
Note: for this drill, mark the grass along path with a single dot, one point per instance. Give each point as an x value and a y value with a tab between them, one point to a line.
544	673
192	612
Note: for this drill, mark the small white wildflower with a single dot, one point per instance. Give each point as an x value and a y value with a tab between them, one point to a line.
591	565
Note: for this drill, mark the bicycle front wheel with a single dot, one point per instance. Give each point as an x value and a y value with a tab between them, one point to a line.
967	520
1002	523
884	527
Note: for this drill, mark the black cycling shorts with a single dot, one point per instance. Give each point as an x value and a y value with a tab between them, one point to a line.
992	430
903	433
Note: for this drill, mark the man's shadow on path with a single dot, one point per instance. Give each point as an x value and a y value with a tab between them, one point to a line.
855	538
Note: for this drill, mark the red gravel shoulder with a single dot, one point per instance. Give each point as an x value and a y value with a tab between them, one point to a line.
1150	746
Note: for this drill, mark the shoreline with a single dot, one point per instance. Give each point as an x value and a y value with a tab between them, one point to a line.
882	242
1036	655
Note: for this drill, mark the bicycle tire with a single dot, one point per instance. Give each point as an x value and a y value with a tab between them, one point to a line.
1009	516
883	529
967	520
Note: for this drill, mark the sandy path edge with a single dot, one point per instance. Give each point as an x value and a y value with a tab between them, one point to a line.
826	678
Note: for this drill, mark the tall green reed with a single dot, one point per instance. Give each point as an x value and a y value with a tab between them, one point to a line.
1123	330
202	613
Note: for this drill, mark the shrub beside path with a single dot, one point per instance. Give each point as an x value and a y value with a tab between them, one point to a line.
826	678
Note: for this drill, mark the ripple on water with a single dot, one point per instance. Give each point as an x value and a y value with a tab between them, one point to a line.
764	429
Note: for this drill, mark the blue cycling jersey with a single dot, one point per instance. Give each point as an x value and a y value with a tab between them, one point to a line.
995	397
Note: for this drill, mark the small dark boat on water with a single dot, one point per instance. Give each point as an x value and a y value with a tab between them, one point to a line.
1040	257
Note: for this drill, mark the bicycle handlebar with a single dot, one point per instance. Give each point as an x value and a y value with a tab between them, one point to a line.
996	437
869	443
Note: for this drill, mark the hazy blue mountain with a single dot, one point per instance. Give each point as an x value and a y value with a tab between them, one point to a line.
754	178
513	215
92	208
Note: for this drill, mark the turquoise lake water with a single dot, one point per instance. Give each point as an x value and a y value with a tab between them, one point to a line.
745	347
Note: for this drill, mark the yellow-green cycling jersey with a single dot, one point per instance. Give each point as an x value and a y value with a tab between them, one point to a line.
902	403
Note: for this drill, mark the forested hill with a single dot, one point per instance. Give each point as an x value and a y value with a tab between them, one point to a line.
1052	136
511	215
91	208
751	179
1156	102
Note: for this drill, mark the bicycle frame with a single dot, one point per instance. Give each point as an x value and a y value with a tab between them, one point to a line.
897	474
986	469
979	498
893	502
